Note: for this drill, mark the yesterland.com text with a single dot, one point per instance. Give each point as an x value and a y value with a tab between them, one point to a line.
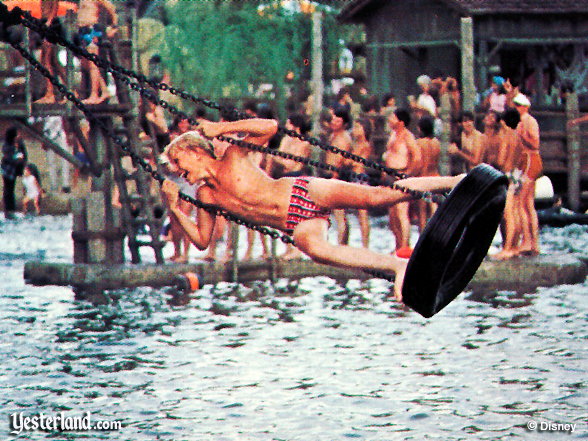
58	422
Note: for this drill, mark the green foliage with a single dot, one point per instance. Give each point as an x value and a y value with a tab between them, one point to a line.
228	48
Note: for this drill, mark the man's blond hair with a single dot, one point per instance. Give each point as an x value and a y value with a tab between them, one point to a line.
189	141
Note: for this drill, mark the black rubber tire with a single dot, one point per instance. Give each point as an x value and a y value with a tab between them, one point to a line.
455	241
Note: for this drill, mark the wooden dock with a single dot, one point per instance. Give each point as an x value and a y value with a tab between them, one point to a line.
523	273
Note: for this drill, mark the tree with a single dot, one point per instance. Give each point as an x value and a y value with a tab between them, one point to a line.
226	49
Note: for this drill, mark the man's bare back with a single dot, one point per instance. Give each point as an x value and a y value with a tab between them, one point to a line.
430	151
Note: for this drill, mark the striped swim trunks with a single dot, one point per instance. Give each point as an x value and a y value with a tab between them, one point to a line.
302	207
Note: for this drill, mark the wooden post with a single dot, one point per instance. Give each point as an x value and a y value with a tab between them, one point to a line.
28	86
273	259
95	209
80	247
467	64
483	62
317	70
574	154
445	138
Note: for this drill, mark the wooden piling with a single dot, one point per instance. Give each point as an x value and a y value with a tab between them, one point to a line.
574	166
527	273
467	64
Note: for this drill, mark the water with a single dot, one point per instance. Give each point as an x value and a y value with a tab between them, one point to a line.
313	360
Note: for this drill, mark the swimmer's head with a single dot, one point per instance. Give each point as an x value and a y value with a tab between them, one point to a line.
191	141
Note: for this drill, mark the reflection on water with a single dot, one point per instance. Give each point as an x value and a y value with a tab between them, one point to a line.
307	360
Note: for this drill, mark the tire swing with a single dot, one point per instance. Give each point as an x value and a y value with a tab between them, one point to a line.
455	241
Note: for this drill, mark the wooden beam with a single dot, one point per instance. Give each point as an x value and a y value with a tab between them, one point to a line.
538	40
413	44
543	270
467	64
50	144
574	162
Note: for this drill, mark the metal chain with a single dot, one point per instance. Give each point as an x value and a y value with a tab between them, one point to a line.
123	75
138	160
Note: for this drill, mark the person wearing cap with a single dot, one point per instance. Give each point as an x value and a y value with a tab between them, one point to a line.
425	104
496	99
532	166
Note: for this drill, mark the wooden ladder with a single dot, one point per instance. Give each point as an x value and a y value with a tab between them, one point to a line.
142	211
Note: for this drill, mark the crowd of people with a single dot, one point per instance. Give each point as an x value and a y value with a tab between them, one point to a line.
507	138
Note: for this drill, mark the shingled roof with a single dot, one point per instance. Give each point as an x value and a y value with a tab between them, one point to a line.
488	7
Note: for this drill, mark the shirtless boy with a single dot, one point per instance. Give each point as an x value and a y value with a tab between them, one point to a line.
402	154
340	138
430	151
511	227
297	206
472	142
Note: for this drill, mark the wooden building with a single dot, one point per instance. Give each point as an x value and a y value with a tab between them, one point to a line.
520	39
540	45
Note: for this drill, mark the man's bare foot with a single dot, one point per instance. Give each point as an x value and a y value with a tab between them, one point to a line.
529	252
47	99
227	258
103	98
92	100
209	258
182	259
248	255
291	255
504	255
399	278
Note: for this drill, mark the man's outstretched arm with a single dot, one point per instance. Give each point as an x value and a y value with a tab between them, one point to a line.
258	130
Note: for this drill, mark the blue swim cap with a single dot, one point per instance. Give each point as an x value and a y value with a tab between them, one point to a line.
498	80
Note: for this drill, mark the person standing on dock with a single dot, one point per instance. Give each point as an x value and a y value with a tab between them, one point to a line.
511	227
402	154
49	50
528	131
340	138
90	34
430	152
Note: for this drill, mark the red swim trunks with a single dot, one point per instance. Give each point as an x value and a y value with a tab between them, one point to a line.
302	207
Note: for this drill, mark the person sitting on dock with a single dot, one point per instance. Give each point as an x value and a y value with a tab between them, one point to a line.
300	207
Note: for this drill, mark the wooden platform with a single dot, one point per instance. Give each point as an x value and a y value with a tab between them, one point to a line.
523	273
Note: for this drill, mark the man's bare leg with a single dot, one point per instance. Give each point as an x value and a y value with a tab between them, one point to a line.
400	224
98	88
364	227
334	194
310	237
